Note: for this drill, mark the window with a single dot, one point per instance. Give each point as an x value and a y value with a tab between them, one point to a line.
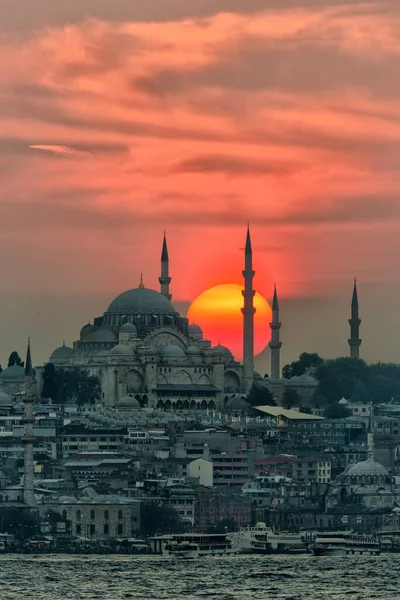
78	514
120	514
92	529
119	529
106	515
92	515
106	529
78	529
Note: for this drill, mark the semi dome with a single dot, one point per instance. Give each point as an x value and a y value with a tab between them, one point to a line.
128	328
195	331
5	398
103	334
129	402
141	300
14	373
121	349
369	468
62	352
86	329
172	351
193	351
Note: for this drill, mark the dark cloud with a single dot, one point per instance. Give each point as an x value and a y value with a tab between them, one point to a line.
232	165
17	14
308	64
75	209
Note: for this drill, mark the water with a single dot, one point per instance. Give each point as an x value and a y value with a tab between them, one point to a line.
53	577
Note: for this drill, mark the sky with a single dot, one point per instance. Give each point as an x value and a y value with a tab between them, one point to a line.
121	119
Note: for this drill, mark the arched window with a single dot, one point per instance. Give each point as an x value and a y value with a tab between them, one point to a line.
120	514
78	514
92	515
106	515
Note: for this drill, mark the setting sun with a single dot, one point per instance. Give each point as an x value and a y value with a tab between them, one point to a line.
218	312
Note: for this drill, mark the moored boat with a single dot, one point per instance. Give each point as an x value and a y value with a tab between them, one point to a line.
194	545
263	539
345	543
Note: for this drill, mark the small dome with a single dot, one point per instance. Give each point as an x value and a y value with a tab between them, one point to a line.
257	375
222	351
62	352
140	300
5	398
103	334
129	402
172	351
195	331
369	468
128	328
86	329
193	351
236	403
14	373
121	349
343	401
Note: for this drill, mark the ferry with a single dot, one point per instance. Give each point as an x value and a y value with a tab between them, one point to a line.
345	543
263	539
195	545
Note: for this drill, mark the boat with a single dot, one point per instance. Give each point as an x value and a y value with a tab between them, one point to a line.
195	545
263	539
345	543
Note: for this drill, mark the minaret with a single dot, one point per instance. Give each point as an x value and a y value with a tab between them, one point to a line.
165	279
275	343
370	435
29	438
354	322
248	311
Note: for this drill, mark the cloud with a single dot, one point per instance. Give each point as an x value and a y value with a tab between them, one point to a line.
232	165
198	117
55	149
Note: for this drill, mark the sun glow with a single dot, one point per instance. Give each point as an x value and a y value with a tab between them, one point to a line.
218	312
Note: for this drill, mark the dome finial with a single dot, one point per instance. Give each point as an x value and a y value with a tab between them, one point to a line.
141	285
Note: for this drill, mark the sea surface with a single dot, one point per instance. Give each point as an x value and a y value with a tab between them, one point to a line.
67	577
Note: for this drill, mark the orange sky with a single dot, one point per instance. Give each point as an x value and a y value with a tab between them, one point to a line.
119	119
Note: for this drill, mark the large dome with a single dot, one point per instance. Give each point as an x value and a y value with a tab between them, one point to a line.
369	468
140	300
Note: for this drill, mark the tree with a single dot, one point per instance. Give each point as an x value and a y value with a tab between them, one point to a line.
338	378
70	385
298	367
159	519
335	410
21	523
290	398
50	384
260	396
14	359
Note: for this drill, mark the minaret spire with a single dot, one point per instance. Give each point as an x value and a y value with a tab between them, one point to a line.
165	279
354	322
275	343
248	311
29	438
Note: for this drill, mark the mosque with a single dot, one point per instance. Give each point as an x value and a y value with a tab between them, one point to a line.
146	354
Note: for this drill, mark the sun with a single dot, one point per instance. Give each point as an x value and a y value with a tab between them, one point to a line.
218	312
